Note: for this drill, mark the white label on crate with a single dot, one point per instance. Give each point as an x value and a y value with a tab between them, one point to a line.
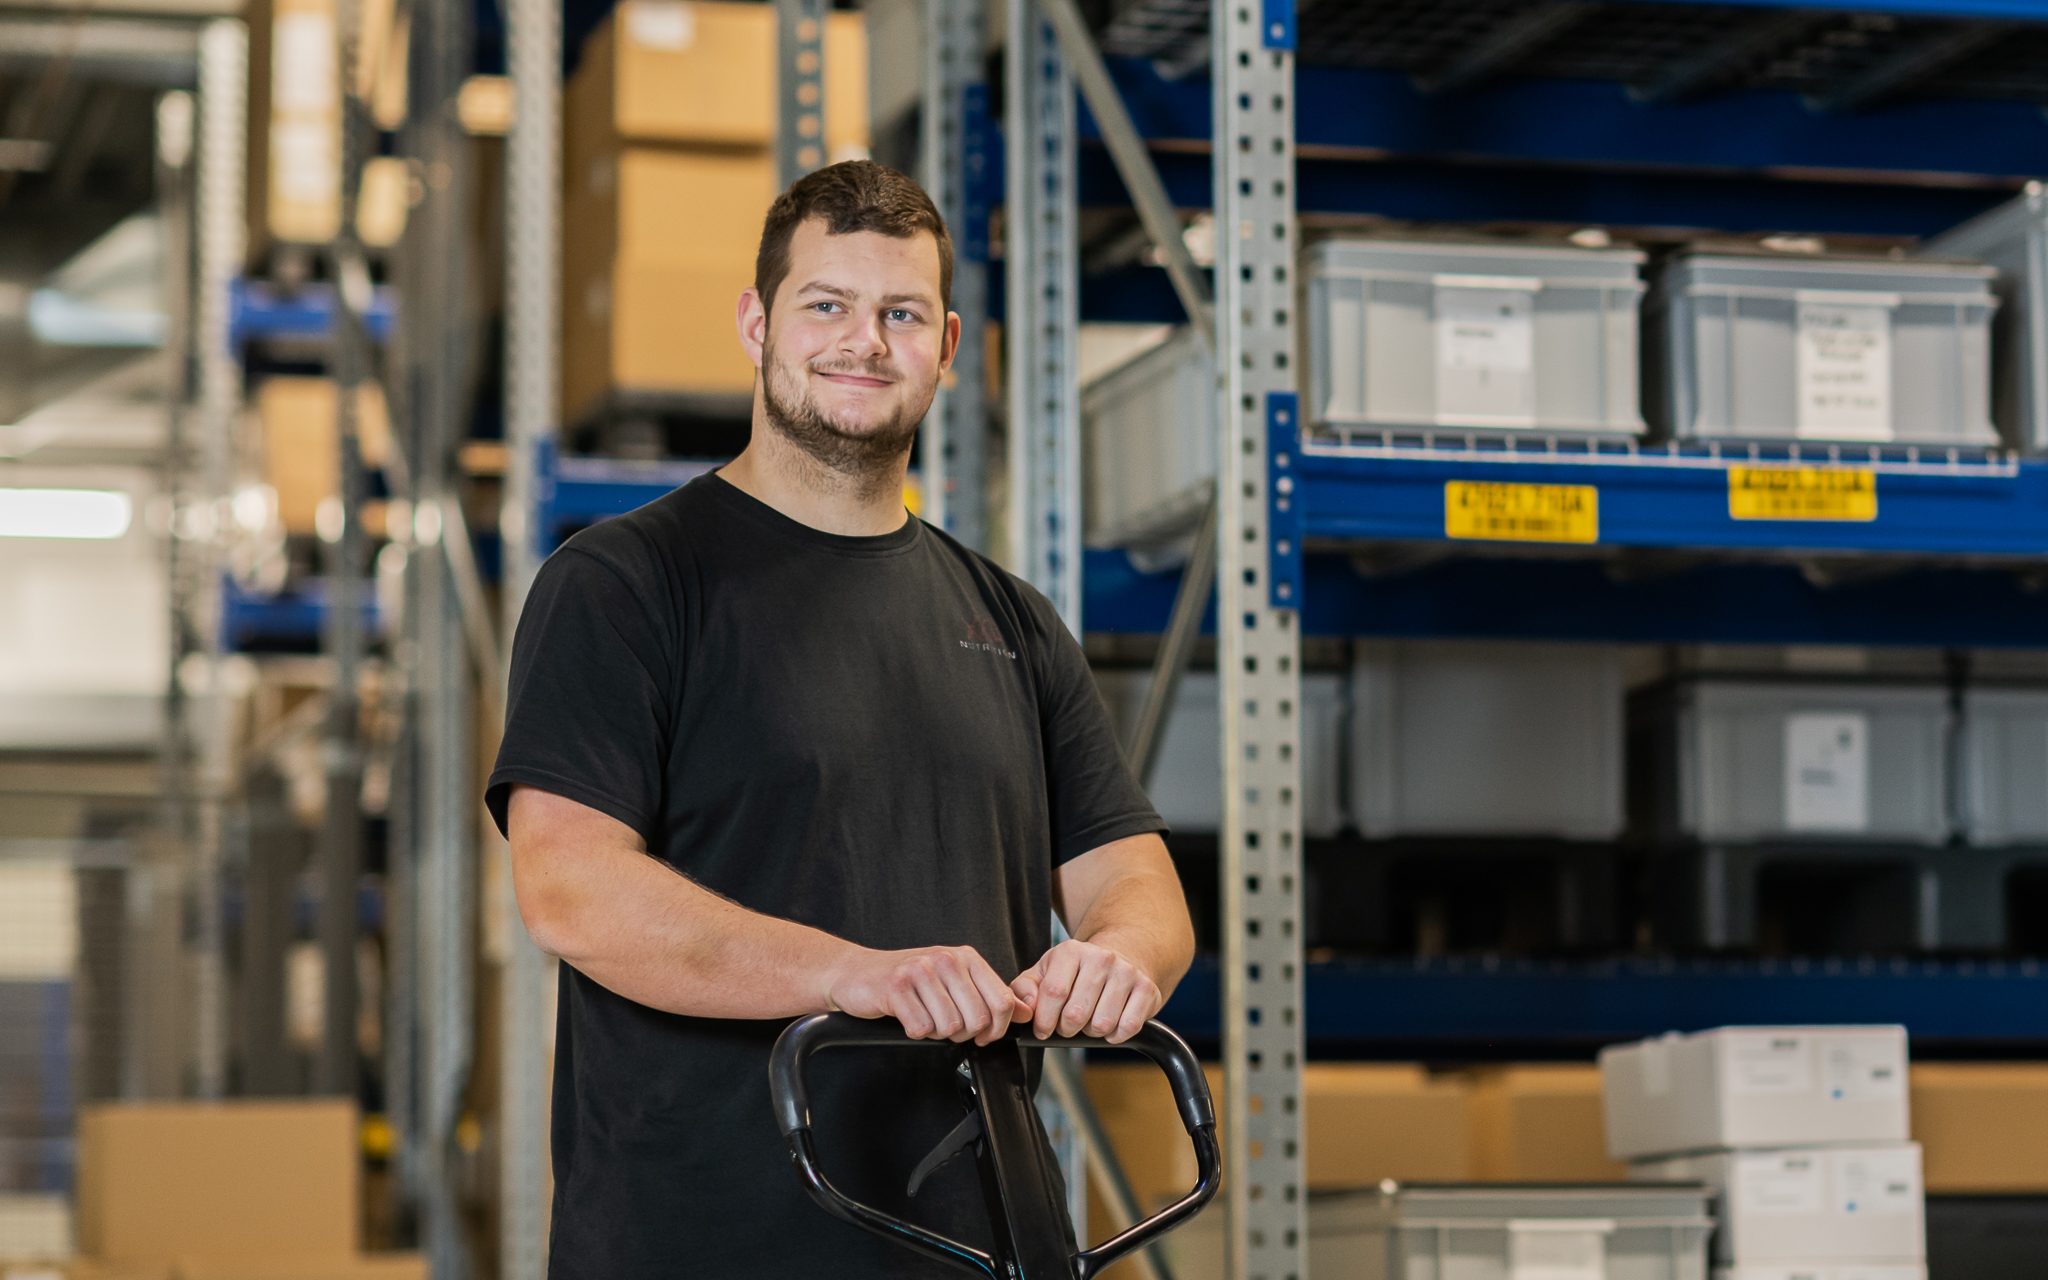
1486	356
661	24
1878	1182
1783	1183
1845	371
305	157
1827	772
38	922
1862	1071
1557	1249
1764	1064
304	65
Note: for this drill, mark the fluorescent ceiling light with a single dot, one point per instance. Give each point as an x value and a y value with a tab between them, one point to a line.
64	513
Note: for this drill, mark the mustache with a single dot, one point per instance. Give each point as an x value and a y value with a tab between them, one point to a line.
881	371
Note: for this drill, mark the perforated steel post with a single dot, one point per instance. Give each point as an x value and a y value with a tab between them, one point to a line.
1258	643
1042	317
955	162
800	81
532	261
223	125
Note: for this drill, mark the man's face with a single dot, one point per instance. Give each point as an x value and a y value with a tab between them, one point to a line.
852	351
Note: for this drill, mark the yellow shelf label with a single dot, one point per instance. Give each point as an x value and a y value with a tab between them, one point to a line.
1521	512
1802	493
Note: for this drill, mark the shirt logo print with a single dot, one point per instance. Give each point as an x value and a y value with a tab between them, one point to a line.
983	636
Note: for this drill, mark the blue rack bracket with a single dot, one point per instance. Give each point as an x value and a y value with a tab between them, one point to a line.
1283	513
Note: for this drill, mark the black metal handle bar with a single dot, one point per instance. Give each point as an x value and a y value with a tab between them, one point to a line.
1167	1051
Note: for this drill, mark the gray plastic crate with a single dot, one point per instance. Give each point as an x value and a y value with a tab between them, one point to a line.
1149	434
2003	749
1187	782
1785	347
2014	239
1451	738
1406	335
1788	759
1503	1231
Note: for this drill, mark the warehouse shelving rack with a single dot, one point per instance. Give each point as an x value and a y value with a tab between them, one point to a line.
1624	137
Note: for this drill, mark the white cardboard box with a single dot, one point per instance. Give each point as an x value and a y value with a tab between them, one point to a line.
1824	1271
1754	1087
1813	1204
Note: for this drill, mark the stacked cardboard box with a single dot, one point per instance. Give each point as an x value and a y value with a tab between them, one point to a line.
1539	1123
224	1191
1802	1132
669	127
301	460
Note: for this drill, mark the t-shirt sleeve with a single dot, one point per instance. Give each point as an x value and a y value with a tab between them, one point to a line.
1095	798
586	709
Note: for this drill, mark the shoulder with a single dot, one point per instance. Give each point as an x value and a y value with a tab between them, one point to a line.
642	546
1038	623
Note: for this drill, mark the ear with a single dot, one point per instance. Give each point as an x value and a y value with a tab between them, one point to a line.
951	346
752	319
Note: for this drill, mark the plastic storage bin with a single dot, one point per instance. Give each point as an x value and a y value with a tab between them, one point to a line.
1810	1204
1187	781
1149	434
2004	766
1778	347
1469	739
2014	239
1408	335
1742	760
1499	1231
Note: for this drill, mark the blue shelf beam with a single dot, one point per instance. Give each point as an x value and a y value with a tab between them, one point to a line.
1518	1005
291	618
258	311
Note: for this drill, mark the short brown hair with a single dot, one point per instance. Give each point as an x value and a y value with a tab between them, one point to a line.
854	195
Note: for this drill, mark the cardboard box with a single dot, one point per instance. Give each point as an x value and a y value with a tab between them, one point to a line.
661	245
1755	1087
294	176
1540	1123
1364	1123
362	1266
1811	1204
1845	1271
702	73
83	1269
300	458
158	1181
1983	1126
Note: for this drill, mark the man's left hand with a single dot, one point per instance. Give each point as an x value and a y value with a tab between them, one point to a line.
1081	988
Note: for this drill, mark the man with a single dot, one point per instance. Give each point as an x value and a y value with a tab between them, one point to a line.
774	747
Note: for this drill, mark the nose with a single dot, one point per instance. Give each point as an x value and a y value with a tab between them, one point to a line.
865	340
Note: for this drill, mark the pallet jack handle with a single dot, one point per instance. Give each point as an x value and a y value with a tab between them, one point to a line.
1167	1051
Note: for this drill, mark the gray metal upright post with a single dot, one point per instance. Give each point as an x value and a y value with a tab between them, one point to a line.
800	88
1042	319
954	161
1258	642
435	321
223	98
532	311
343	639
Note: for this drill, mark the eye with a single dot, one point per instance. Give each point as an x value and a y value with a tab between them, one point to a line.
820	306
901	316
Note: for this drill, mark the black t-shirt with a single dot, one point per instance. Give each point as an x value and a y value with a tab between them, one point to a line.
888	738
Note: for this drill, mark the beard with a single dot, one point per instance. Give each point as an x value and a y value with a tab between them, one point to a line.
867	455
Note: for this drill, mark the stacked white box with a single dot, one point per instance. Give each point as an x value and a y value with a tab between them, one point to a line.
1809	1204
1801	1132
1743	1087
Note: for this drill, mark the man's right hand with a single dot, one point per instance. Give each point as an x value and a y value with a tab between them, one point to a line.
937	993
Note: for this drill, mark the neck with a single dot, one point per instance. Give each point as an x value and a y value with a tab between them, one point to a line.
793	482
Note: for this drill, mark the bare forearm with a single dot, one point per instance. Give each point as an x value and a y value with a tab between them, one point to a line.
659	939
1143	918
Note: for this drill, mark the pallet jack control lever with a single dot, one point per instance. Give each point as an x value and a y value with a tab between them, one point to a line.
1025	1211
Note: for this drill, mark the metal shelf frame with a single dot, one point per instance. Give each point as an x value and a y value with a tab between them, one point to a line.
1279	497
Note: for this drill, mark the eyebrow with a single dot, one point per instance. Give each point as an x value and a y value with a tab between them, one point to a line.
849	295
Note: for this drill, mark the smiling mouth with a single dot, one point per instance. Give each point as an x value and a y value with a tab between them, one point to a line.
855	380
